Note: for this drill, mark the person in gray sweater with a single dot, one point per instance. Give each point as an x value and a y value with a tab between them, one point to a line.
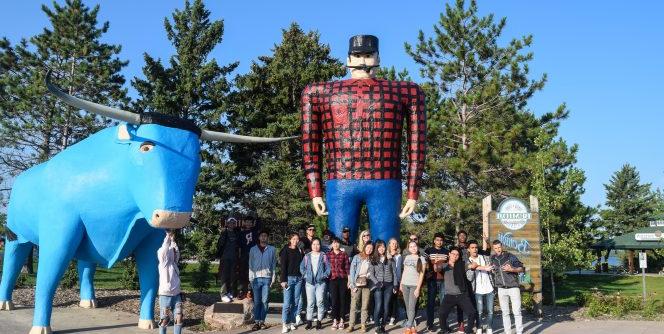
262	274
383	275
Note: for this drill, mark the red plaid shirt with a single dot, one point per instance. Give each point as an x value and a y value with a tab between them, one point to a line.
339	264
360	122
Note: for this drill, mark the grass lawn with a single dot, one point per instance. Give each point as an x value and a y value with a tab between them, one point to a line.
630	285
565	290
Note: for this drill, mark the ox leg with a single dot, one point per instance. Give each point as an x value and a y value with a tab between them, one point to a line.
15	255
148	276
55	252
86	275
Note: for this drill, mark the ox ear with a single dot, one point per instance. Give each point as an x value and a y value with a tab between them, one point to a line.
123	133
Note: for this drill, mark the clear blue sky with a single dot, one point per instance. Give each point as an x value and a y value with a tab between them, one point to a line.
604	59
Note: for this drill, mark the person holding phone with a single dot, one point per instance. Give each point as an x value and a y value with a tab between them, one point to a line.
170	299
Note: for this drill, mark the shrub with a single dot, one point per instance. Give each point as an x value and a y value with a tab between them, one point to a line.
22	281
527	303
129	278
200	276
70	277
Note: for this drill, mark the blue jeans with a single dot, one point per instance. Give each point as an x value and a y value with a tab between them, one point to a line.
315	297
292	299
435	288
261	289
344	200
481	301
170	308
382	298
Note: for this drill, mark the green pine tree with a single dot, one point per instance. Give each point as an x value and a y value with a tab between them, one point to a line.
34	125
268	179
481	135
629	203
195	87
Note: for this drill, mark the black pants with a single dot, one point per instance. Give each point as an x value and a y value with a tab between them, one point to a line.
382	297
395	302
228	271
339	293
243	272
462	302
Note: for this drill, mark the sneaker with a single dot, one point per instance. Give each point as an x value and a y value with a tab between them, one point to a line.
308	326
350	329
431	329
334	324
478	331
392	320
298	320
263	325
341	325
363	328
413	330
284	329
256	327
462	328
319	324
226	299
489	331
293	327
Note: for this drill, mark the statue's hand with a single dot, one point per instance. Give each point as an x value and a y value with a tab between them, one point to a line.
319	206
408	209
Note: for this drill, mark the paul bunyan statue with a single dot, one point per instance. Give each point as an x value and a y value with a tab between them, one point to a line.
358	124
109	196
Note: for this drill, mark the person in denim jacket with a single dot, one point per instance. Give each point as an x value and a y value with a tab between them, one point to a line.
315	269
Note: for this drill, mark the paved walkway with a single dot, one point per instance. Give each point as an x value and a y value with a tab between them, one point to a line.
76	320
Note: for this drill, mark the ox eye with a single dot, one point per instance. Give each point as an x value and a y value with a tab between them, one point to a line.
147	147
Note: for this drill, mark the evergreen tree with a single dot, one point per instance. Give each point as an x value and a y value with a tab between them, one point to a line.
268	179
195	87
629	203
35	125
481	136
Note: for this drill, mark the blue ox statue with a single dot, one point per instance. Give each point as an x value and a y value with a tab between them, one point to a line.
105	198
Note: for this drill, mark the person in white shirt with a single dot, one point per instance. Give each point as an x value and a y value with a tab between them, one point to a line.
170	301
481	278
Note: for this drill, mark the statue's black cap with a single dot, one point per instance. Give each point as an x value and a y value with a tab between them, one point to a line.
363	44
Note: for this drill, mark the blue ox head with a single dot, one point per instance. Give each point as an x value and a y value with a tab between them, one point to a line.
164	160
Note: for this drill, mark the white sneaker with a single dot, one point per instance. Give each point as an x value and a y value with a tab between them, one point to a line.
478	331
293	327
298	320
489	331
226	299
284	328
392	321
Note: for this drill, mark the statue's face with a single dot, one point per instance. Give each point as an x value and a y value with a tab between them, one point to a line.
357	61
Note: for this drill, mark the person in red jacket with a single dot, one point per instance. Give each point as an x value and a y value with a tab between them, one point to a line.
360	122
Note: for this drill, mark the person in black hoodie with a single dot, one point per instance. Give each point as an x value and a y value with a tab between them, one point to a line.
290	258
456	290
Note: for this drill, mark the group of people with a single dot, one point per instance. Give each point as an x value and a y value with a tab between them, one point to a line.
339	277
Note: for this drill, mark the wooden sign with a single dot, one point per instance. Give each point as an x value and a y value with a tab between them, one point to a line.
517	226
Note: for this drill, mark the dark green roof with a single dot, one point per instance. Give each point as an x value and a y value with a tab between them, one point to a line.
628	240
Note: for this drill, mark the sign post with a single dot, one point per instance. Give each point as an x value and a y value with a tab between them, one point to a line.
517	226
643	264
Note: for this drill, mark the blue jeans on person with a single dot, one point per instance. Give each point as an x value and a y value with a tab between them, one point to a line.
435	288
382	298
261	289
344	200
315	298
170	308
292	299
481	301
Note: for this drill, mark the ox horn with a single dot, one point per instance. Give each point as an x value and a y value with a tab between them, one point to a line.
231	138
133	118
114	113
